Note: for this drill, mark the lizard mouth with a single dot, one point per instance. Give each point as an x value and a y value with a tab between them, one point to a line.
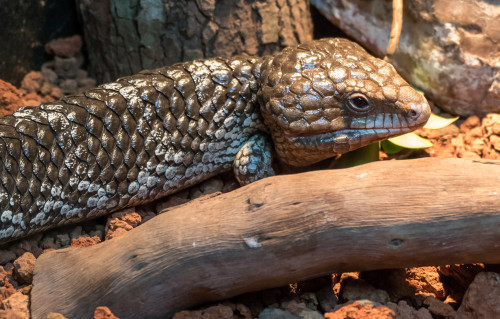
365	131
342	141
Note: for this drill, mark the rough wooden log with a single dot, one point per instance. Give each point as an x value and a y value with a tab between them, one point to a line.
280	230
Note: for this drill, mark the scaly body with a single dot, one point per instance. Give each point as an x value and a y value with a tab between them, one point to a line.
154	133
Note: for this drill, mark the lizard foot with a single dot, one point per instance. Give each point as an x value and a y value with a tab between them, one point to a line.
253	160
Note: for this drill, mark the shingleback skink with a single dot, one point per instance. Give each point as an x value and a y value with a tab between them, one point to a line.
149	135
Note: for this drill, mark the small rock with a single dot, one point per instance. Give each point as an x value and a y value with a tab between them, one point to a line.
195	192
411	283
48	74
54	315
404	311
56	93
65	47
470	123
48	242
69	86
119	228
218	311
6	256
439	308
212	185
477	146
24	267
361	309
146	214
46	88
121	222
32	81
6	287
491	124
129	216
310	314
80	59
99	233
98	230
62	240
243	311
85	241
476	133
47	98
82	74
357	289
294	306
481	298
76	232
310	299
10	98
28	244
103	313
276	313
327	299
9	267
32	99
18	305
495	142
426	280
66	68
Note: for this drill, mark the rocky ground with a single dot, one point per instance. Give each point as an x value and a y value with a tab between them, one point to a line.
441	291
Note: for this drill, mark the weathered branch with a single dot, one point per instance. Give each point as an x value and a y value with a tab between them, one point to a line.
280	230
397	24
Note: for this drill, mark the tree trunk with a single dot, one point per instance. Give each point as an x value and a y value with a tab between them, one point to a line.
124	37
279	230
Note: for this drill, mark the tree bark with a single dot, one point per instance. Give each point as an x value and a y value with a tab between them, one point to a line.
279	230
124	37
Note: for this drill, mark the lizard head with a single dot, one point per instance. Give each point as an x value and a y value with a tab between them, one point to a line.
330	96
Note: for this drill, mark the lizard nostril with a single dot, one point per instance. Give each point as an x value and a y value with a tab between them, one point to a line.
414	111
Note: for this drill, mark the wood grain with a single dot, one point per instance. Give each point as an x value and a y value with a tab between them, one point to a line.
280	230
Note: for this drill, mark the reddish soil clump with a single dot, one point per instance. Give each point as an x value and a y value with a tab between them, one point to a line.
10	98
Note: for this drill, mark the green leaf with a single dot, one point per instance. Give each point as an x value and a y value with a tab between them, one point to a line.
436	122
411	140
390	148
363	155
419	91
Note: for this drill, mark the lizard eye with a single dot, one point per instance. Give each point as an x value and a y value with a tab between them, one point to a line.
358	102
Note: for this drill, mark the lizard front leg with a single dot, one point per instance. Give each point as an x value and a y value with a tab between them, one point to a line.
253	161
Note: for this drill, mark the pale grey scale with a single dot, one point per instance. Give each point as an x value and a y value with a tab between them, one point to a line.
253	161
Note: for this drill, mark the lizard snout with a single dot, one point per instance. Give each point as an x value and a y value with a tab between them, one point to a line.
415	107
418	113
